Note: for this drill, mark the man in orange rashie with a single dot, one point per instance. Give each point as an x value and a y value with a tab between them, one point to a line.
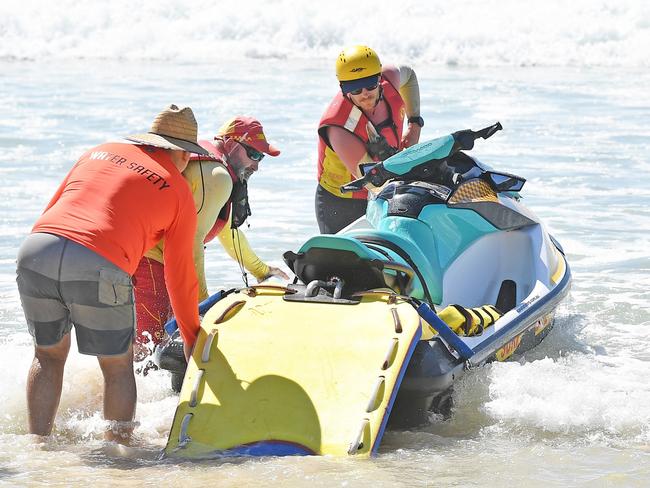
75	268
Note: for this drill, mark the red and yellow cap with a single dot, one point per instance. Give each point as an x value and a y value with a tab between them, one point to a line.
249	131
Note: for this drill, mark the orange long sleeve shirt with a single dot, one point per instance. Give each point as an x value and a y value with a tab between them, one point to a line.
119	200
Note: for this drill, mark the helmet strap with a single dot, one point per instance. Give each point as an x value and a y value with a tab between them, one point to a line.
381	95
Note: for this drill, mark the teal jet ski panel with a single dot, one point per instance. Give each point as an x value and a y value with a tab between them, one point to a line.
403	162
426	270
454	230
433	240
340	242
377	209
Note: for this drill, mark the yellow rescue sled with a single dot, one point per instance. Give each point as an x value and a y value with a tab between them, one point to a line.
269	376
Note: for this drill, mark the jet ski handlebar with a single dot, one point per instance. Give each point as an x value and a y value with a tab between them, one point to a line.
377	174
464	139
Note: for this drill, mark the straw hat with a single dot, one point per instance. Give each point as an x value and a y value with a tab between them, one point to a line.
173	128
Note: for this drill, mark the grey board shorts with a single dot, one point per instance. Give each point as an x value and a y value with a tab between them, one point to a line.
62	283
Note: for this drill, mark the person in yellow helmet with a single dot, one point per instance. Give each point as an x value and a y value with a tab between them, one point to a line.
219	187
364	122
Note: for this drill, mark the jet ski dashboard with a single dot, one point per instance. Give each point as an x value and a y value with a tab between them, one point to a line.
407	199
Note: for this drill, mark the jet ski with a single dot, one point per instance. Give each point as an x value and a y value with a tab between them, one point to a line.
447	271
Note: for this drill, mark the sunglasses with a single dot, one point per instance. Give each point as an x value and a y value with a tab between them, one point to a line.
359	90
253	154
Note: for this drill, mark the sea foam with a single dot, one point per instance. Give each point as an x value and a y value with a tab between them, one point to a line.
470	33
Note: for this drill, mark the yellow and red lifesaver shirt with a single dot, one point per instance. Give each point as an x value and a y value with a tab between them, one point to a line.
332	173
223	217
119	200
211	182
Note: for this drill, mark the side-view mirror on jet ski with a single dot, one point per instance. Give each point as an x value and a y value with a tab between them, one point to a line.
505	182
425	161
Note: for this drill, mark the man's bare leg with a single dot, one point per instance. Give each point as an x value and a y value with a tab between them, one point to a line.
44	384
119	395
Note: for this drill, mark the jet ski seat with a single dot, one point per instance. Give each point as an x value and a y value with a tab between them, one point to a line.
430	285
357	265
359	258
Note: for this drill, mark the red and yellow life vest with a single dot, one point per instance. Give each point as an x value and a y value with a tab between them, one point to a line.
332	173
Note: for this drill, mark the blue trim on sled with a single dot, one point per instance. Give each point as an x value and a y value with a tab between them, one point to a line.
204	306
268	448
444	331
398	382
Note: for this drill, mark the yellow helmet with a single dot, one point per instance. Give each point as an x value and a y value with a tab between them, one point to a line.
357	62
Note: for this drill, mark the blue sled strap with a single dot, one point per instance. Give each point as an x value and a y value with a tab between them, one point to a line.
425	311
204	306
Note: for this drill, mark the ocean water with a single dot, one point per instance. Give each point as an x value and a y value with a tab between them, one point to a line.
568	83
